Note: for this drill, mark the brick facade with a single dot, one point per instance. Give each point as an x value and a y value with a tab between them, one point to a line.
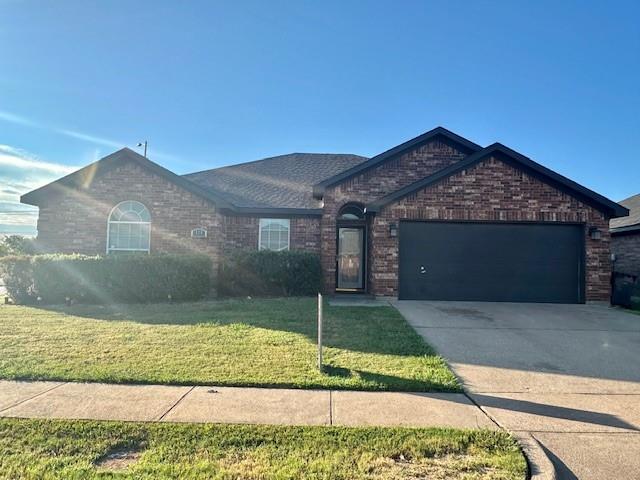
76	222
626	248
241	232
490	191
375	183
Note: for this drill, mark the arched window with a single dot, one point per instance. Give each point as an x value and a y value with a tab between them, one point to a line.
351	211
129	228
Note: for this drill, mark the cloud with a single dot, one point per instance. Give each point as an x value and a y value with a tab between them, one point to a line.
17	119
82	136
14	158
20	172
25	122
89	138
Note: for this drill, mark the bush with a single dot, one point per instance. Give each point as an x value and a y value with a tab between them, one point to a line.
268	273
130	278
17	245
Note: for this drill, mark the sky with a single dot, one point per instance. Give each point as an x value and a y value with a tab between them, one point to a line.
212	83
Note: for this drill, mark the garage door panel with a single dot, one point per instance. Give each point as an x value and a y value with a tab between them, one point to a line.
491	262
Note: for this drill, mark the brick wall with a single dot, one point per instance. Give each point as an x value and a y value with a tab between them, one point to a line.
627	251
378	182
241	232
490	191
76	222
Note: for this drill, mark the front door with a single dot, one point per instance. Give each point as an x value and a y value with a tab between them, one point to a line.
350	258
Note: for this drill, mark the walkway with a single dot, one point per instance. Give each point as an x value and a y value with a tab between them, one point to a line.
99	401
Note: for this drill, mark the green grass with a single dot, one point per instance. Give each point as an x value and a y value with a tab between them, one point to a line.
71	449
241	342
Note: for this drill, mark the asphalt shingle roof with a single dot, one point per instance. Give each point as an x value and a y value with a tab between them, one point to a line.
285	181
633	204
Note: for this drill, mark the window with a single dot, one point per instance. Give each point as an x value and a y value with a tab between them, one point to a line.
351	211
274	234
129	228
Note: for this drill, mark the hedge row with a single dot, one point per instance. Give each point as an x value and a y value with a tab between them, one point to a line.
268	273
51	279
136	278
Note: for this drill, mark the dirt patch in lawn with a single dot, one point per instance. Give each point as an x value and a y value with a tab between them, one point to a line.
448	467
119	458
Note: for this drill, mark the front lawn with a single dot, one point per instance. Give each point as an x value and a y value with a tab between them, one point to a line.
236	342
81	449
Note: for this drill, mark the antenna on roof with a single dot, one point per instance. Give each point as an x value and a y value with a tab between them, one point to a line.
140	144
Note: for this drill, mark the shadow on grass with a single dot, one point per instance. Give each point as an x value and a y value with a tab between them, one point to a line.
379	330
375	382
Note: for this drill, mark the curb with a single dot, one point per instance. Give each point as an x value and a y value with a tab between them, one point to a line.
540	466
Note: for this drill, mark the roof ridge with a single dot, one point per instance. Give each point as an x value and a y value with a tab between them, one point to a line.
271	158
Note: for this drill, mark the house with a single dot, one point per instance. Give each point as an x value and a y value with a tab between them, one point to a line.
437	217
625	238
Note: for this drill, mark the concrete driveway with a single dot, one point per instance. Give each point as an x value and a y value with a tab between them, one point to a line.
568	374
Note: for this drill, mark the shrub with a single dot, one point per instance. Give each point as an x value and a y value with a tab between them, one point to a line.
17	245
268	273
132	278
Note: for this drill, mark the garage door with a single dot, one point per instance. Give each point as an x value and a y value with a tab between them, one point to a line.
496	262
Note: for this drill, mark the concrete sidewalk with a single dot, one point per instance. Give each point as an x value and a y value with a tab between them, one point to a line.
165	403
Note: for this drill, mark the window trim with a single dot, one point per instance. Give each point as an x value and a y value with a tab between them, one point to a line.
109	222
262	222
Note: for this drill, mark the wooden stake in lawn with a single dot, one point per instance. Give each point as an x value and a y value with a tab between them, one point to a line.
320	332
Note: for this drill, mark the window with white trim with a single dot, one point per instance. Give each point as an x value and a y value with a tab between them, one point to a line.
274	234
129	228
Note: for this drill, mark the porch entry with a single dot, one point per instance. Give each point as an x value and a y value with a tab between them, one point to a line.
351	241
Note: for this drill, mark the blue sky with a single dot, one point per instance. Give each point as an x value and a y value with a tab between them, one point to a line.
210	83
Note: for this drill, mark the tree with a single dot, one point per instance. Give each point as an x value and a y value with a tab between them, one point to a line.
16	245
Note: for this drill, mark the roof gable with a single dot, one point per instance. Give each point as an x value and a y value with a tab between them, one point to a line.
81	179
632	222
462	143
521	162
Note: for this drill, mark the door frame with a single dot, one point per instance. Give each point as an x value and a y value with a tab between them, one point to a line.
361	224
582	266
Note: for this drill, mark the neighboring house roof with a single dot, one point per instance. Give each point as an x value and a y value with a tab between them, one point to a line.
518	160
462	143
285	181
81	179
630	223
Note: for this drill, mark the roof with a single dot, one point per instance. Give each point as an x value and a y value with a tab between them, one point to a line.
462	143
285	181
293	184
630	223
81	179
508	155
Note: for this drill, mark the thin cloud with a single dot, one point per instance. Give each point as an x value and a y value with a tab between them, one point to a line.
17	119
19	159
89	138
85	137
20	172
26	122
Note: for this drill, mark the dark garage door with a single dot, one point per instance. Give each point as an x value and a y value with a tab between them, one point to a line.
494	262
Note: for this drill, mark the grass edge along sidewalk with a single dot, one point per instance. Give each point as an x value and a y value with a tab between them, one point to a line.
93	449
